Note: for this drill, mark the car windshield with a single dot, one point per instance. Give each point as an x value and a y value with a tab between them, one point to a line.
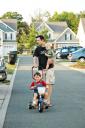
65	50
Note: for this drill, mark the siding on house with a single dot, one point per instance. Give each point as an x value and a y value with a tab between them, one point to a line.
8	31
67	38
81	32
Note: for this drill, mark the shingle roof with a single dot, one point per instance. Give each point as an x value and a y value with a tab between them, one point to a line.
57	26
11	23
5	28
83	23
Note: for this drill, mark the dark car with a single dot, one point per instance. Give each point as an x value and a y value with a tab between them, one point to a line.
77	55
3	72
64	52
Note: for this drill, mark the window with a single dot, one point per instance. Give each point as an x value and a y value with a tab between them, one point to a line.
49	35
65	50
5	36
68	36
11	36
65	36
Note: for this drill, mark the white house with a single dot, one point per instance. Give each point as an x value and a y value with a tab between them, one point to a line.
8	31
59	33
81	32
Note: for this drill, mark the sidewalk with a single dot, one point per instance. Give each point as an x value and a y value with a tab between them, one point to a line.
5	94
69	66
3	90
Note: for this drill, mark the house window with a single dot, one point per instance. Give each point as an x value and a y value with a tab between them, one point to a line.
68	36
11	36
5	36
65	36
49	35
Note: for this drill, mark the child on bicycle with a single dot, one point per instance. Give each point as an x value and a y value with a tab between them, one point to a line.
38	81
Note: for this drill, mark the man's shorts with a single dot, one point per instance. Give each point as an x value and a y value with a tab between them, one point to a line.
50	76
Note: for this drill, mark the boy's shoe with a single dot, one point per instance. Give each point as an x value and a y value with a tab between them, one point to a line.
34	103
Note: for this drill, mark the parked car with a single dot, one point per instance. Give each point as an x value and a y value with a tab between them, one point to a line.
77	55
64	52
57	53
3	72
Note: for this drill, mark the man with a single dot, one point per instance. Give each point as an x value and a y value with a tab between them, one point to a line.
39	57
40	60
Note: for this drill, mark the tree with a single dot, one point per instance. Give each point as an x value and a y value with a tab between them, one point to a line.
44	33
54	17
12	15
41	16
71	19
32	35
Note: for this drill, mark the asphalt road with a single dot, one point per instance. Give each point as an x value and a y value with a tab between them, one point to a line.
68	110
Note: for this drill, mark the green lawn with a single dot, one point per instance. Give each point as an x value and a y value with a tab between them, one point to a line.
79	65
10	68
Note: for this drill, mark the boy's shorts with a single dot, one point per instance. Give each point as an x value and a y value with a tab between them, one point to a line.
50	76
35	91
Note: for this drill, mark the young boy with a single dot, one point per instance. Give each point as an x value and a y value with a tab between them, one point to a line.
38	81
50	54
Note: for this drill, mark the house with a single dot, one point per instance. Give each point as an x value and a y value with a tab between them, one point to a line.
58	32
81	32
8	31
66	38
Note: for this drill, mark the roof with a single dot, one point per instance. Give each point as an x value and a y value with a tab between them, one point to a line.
11	23
5	28
83	23
56	27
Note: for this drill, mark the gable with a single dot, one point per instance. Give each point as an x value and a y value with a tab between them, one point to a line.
67	35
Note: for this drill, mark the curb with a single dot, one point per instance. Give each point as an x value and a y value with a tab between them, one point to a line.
7	98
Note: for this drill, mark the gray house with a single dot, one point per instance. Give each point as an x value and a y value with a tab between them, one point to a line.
66	38
8	31
59	33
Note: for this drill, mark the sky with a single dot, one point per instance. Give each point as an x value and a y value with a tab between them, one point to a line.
29	8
